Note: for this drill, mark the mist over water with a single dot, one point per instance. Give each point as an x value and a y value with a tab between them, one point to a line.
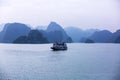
79	62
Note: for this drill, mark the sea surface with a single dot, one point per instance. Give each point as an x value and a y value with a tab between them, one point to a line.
79	62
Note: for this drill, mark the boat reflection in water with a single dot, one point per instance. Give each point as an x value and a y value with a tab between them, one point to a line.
59	46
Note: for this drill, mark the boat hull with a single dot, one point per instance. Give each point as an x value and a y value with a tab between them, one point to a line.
55	48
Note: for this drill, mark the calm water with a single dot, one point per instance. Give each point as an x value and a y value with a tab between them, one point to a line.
79	62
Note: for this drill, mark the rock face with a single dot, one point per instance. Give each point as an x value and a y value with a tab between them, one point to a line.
12	31
34	37
56	33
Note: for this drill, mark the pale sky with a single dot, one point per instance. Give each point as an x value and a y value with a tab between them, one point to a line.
85	14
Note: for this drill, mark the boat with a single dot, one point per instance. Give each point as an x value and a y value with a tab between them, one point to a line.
59	46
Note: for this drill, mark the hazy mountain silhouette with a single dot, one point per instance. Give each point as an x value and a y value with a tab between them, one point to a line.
117	40
41	27
101	36
1	36
89	41
78	34
105	36
44	33
56	33
12	31
34	37
21	40
115	35
1	27
1	33
21	33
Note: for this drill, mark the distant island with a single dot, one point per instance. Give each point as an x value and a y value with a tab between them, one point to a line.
19	33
